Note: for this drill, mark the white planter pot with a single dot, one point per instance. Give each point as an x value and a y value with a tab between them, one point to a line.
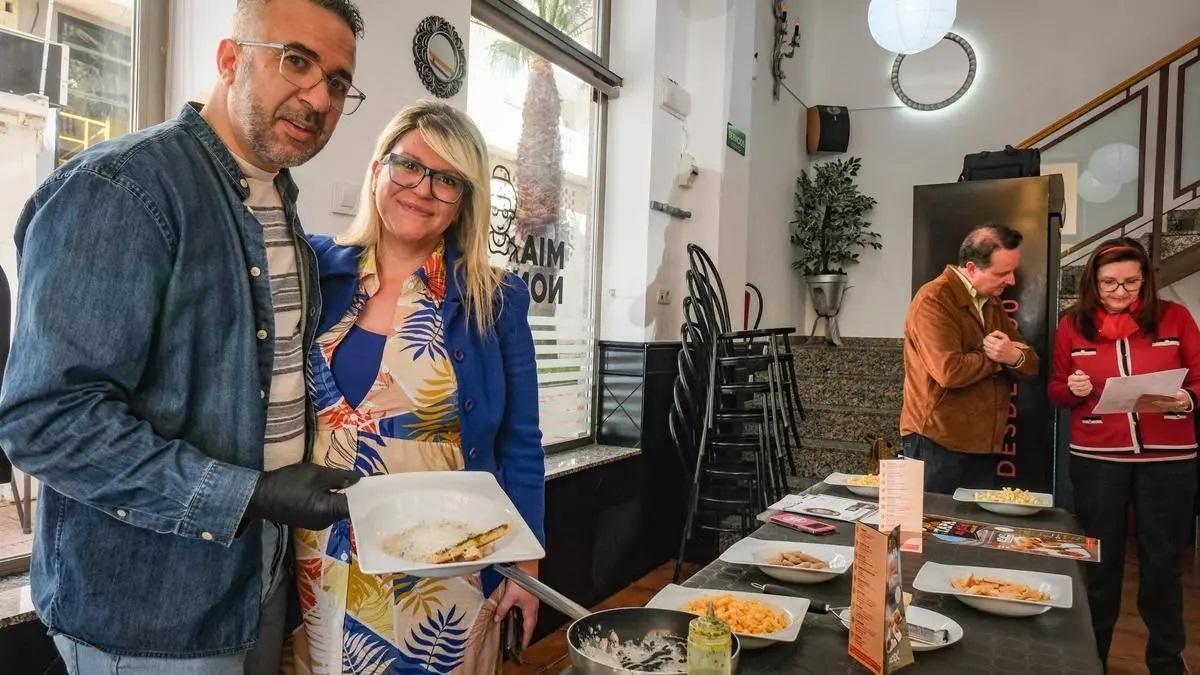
827	291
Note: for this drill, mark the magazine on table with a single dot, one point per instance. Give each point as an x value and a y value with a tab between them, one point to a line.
826	506
1004	538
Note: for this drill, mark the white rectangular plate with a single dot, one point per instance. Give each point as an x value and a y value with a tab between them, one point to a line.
973	495
675	597
936	578
381	506
752	551
838	478
842	479
1045	500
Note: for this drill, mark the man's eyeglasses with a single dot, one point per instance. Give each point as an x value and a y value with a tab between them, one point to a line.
408	173
1130	285
299	69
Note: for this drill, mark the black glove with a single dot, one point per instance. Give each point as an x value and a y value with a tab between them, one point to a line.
300	495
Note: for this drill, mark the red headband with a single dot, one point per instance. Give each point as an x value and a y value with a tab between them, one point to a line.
1119	247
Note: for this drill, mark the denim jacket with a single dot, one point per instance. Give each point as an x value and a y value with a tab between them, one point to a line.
137	388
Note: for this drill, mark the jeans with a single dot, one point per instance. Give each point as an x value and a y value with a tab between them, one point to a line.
83	659
947	470
1163	495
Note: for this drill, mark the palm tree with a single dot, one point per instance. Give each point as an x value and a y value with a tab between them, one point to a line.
539	150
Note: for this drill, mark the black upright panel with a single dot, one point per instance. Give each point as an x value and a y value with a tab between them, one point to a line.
5	313
942	215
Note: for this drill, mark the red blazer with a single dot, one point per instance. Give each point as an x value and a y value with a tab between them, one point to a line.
1128	437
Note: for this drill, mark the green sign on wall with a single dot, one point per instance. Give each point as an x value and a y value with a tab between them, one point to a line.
735	138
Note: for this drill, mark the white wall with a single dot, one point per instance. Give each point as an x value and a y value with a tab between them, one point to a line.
777	156
623	277
384	72
707	47
1038	60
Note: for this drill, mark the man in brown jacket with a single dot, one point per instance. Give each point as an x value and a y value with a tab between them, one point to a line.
961	353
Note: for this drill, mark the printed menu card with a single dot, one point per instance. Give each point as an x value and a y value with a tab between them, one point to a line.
902	499
878	629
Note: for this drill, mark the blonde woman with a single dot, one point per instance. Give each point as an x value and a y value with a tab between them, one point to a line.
424	362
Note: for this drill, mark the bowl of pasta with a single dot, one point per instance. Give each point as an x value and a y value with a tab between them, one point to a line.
1006	501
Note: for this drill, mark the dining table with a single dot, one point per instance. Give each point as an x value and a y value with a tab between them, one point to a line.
1057	642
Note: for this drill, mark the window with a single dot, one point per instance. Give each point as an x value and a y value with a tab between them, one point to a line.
91	70
543	124
99	72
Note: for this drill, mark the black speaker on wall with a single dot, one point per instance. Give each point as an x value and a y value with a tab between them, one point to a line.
828	129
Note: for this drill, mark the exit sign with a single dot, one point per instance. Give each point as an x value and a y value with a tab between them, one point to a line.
735	138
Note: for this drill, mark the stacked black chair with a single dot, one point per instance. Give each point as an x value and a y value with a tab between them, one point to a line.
734	410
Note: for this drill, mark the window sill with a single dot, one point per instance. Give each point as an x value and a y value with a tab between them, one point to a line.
16	605
568	462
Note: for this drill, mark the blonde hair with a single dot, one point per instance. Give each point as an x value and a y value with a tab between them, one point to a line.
456	139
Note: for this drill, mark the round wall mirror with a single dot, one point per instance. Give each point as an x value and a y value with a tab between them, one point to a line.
936	77
439	57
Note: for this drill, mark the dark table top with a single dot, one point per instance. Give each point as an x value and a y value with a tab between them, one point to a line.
1057	642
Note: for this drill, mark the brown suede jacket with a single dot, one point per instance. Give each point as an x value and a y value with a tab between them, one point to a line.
953	393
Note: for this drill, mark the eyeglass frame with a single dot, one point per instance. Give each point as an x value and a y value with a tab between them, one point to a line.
1120	284
325	76
427	172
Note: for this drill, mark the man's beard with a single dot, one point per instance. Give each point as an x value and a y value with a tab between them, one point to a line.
258	126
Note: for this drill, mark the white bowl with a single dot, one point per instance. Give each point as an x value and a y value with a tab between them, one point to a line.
381	506
675	597
937	578
972	495
922	617
842	479
755	552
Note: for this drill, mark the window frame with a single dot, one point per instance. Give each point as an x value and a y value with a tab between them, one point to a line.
514	21
148	81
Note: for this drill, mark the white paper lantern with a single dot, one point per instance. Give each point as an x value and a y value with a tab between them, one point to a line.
910	26
1094	190
1115	163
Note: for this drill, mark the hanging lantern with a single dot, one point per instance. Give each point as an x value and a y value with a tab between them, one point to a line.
910	26
1094	190
1115	163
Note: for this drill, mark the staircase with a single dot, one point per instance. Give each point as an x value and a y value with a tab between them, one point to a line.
1181	237
849	393
1157	201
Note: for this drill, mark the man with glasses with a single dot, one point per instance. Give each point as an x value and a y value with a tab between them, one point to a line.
961	354
156	387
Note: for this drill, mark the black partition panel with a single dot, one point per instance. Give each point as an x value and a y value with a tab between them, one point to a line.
942	215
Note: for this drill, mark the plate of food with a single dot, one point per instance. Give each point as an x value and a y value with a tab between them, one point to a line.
758	620
437	524
792	562
939	629
864	485
1004	592
1006	501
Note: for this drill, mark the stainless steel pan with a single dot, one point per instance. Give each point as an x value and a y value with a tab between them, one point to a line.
628	622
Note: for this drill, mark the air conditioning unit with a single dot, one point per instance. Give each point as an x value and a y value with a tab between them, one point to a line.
21	54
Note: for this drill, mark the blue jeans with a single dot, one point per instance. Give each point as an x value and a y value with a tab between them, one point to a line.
947	470
83	659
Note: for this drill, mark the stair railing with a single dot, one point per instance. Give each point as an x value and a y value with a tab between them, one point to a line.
1131	156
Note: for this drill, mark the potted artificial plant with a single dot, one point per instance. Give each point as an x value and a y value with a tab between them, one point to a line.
828	231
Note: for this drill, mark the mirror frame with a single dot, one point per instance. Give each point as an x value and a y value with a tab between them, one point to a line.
429	27
971	67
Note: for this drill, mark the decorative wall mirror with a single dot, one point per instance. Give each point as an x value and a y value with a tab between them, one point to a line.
936	77
439	56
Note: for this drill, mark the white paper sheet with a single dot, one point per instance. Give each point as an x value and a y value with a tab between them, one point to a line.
1121	393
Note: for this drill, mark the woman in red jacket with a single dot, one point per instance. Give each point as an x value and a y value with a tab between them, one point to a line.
1146	459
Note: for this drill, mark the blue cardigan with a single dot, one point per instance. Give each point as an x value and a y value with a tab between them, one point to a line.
497	377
